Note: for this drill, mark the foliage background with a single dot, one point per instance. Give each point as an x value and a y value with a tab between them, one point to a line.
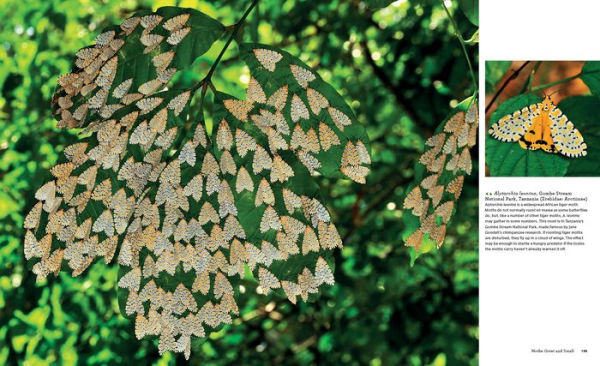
399	67
574	87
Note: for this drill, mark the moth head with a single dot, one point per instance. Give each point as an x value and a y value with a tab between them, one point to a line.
547	103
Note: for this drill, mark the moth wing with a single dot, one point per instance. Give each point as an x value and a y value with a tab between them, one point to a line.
567	139
511	127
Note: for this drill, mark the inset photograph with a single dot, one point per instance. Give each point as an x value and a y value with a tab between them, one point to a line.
542	118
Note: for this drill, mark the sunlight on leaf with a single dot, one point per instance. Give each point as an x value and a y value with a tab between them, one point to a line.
439	177
187	215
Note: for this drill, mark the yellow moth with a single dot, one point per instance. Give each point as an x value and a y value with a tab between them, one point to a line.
541	126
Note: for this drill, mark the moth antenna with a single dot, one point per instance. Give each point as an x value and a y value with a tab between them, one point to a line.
556	91
539	93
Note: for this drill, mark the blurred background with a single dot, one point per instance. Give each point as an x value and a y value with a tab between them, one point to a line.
399	67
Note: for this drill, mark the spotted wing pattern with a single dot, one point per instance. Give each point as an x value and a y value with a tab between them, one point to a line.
131	62
567	139
446	160
511	127
186	215
541	126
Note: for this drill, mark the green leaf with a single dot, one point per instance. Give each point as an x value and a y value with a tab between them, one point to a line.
190	217
510	159
471	10
440	360
37	318
582	112
282	77
325	342
590	74
131	46
19	342
430	201
7	205
301	183
68	353
474	39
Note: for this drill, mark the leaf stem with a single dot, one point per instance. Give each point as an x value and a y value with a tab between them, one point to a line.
529	83
206	82
548	85
462	44
236	28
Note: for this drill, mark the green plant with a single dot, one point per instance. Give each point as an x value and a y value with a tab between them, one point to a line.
439	179
447	159
188	216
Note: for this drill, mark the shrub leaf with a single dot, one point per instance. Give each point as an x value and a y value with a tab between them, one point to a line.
187	215
439	176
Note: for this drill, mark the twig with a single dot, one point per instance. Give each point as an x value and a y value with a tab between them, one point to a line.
529	84
206	82
462	44
505	84
548	85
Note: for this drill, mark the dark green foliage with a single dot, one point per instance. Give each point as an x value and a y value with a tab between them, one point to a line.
380	312
590	74
583	112
471	10
377	4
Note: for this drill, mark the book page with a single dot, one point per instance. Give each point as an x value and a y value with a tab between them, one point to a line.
539	230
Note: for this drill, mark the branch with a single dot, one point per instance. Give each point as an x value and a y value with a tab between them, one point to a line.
528	84
461	40
548	85
506	82
206	82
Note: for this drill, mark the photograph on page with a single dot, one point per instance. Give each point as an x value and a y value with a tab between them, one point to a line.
542	118
240	182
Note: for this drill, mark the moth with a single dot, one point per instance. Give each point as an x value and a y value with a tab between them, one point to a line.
168	200
541	126
447	159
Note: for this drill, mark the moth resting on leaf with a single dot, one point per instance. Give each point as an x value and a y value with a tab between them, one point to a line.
440	176
187	215
541	126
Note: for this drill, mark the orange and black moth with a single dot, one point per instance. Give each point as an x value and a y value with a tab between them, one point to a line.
541	126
